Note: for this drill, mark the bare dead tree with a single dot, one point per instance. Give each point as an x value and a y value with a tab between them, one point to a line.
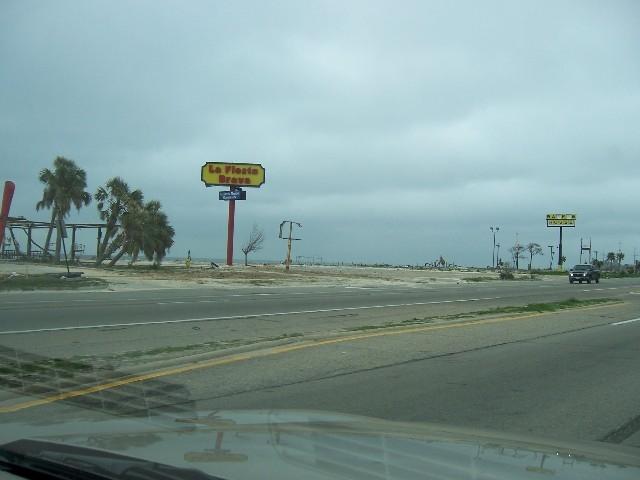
256	238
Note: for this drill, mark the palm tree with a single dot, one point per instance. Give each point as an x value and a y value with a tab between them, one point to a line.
158	234
64	187
115	200
619	258
145	228
533	249
611	257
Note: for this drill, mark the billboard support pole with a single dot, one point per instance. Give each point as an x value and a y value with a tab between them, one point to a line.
230	227
560	250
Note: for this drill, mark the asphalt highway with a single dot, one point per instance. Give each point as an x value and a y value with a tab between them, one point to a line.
81	324
22	312
571	374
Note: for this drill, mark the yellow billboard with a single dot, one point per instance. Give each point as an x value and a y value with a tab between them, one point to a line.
232	174
561	220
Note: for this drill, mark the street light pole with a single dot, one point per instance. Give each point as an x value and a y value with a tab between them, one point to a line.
551	261
494	230
498	255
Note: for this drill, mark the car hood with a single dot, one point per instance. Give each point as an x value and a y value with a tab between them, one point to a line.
318	445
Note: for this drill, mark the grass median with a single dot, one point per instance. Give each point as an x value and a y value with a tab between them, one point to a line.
47	281
519	309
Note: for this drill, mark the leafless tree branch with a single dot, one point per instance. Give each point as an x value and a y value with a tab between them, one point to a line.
256	238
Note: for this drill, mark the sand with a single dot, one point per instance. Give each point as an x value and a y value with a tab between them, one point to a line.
176	275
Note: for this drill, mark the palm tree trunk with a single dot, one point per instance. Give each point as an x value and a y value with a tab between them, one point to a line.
58	242
101	254
117	257
118	242
134	257
245	260
48	240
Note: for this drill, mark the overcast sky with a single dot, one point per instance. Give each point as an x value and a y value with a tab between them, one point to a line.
394	131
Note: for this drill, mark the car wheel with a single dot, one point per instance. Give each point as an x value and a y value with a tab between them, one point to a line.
589	281
597	280
570	281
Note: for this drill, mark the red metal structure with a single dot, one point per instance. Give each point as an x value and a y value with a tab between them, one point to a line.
7	196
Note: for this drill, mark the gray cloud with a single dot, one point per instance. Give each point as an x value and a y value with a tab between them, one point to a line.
394	131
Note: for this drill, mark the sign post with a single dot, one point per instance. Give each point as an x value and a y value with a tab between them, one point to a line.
230	228
561	220
235	176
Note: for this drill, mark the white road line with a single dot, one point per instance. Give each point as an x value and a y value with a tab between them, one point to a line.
34	301
232	317
627	321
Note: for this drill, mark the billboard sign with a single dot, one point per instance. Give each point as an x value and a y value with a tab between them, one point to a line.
232	174
561	220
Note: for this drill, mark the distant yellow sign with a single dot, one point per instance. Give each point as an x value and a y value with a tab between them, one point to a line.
561	220
232	174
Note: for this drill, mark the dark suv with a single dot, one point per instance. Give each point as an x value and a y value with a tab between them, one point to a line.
584	273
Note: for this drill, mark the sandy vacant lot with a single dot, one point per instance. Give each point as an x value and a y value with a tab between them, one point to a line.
174	275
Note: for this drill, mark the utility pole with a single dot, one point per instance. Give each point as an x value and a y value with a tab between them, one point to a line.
494	230
584	248
289	239
498	254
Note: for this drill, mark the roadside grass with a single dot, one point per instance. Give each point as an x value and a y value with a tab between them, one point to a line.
621	274
527	277
195	347
60	365
521	309
549	272
503	276
604	273
47	281
14	374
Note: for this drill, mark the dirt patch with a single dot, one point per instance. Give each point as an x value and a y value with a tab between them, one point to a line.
174	274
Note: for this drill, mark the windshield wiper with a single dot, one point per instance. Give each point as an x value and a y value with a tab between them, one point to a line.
36	459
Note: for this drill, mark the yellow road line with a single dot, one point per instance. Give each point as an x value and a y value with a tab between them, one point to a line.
240	357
